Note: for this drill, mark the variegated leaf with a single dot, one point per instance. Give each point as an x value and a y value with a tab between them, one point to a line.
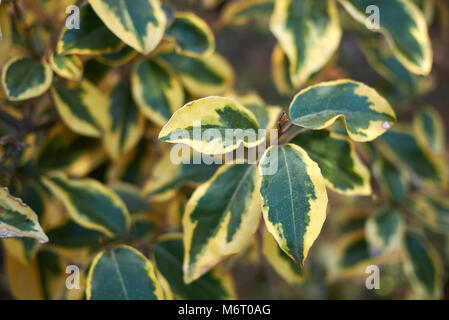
400	146
90	203
220	218
24	249
212	125
339	163
116	59
67	66
202	76
192	34
388	66
62	149
168	257
367	115
126	124
240	12
393	182
82	107
353	254
404	26
167	177
131	196
92	38
294	199
423	266
156	90
309	33
266	116
427	7
25	78
122	273
140	23
428	127
432	210
384	231
17	219
353	219
71	235
133	167
280	71
279	261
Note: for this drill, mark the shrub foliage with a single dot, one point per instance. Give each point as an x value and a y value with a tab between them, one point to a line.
92	118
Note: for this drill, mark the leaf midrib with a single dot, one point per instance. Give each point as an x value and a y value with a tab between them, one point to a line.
117	269
291	195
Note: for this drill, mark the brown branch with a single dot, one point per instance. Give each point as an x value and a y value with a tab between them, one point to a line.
6	155
22	128
10	120
281	122
12	143
290	134
44	125
286	128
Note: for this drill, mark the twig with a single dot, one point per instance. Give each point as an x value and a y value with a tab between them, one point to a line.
12	143
10	120
286	129
22	129
44	125
290	134
281	122
6	155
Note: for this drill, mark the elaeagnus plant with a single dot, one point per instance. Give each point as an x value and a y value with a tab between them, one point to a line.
136	163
